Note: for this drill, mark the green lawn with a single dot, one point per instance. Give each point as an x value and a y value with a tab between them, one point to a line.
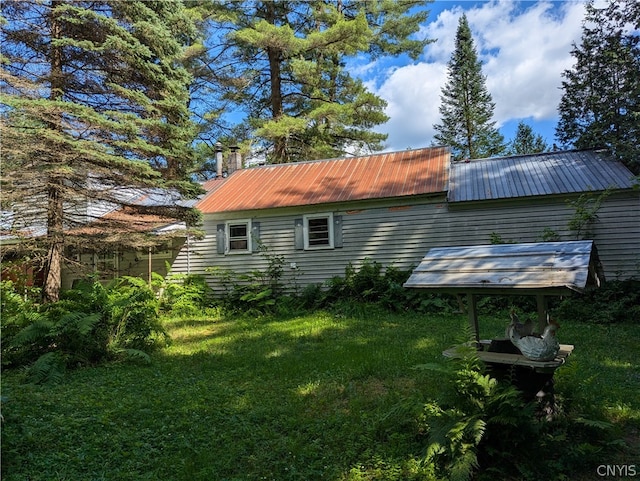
320	396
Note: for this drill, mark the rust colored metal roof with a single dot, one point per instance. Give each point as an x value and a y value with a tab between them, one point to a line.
378	176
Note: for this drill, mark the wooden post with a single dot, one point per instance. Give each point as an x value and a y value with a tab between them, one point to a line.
150	266
188	254
473	315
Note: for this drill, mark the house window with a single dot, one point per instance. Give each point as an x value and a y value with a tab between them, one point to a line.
106	264
239	236
318	231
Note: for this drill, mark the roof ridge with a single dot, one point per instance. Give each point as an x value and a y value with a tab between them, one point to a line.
335	159
538	154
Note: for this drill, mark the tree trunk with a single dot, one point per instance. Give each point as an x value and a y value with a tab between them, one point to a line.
55	233
275	73
55	238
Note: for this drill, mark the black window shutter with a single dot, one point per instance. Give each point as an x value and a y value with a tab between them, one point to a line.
337	231
221	238
299	234
255	236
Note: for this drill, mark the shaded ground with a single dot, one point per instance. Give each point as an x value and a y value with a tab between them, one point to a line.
319	396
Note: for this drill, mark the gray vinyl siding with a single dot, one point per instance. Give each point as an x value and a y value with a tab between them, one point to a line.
400	235
616	231
366	233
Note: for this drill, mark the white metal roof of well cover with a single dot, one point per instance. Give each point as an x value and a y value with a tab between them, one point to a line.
541	265
536	174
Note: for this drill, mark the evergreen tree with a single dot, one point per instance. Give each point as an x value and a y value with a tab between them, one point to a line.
526	141
211	91
95	100
466	105
290	77
600	105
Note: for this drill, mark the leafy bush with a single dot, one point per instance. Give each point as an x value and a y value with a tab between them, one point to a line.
586	213
11	301
370	284
311	296
89	324
261	291
185	295
256	291
132	315
613	302
15	308
483	428
247	292
477	408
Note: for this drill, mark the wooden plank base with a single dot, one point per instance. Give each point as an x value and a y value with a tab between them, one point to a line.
516	359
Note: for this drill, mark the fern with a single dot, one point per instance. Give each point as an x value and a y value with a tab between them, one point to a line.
133	314
475	406
75	323
474	427
594	423
135	355
37	332
89	324
48	369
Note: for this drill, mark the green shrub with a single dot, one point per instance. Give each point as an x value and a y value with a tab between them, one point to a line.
476	409
11	301
132	310
614	302
250	292
256	291
185	295
89	324
311	297
370	284
21	313
484	429
367	284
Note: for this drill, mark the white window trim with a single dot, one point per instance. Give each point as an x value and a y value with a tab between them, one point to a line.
228	225
329	217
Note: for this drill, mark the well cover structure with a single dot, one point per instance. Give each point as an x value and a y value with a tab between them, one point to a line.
539	269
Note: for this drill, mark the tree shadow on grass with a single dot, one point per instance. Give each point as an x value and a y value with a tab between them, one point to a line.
307	395
310	397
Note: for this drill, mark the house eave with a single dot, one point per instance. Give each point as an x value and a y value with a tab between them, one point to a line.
409	200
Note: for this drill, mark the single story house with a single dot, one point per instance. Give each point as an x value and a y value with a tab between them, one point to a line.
94	237
393	207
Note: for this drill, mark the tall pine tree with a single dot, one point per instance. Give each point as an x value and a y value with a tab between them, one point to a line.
466	107
290	76
600	105
95	100
526	141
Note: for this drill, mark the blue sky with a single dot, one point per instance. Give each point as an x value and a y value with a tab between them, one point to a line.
524	47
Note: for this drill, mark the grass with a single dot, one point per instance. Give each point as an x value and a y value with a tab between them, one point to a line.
316	396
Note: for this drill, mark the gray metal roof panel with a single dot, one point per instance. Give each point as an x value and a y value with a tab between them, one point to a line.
535	175
156	197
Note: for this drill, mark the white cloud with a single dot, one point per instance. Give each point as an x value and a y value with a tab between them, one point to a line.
413	96
524	47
